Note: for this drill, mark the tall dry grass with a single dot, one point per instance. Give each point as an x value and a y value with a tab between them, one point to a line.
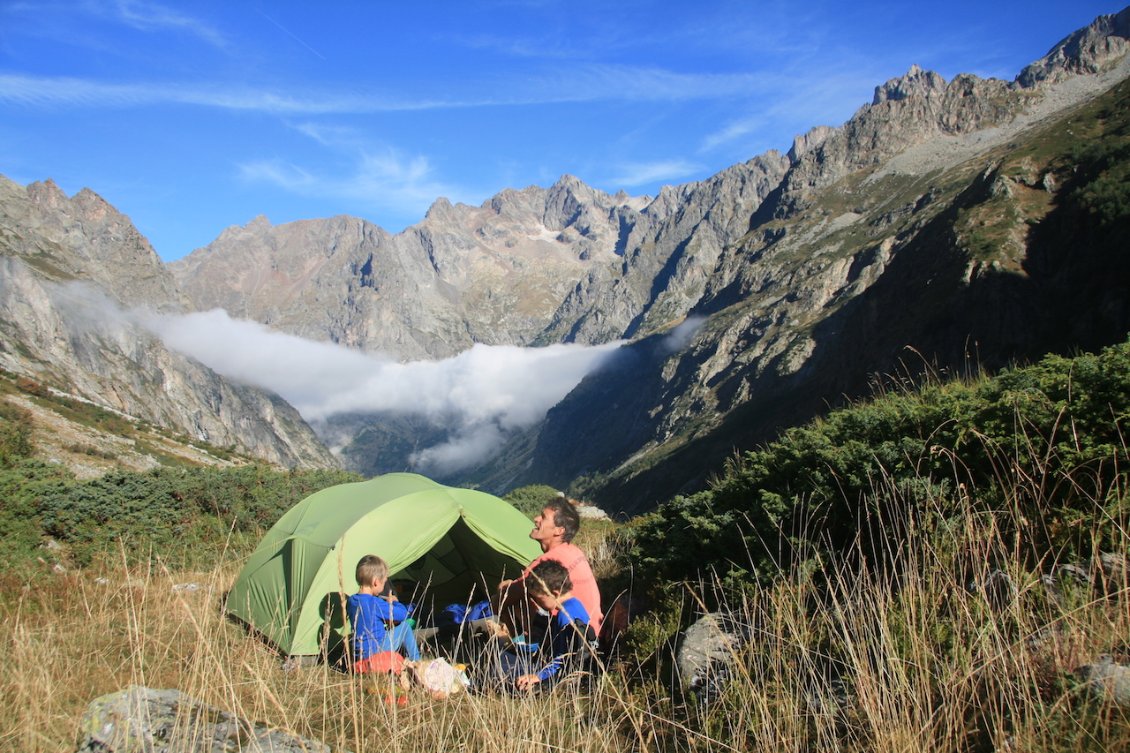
73	637
906	656
936	648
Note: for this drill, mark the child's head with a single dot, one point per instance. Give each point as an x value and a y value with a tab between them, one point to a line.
547	581
372	571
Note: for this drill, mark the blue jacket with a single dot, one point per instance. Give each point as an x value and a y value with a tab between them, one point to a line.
370	616
569	634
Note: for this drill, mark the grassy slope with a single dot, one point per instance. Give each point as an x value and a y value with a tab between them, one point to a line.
925	665
90	440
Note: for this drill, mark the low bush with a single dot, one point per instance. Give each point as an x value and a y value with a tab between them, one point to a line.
187	515
15	434
530	500
1044	443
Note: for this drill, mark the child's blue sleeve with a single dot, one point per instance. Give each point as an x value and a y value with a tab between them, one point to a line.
549	670
391	611
563	644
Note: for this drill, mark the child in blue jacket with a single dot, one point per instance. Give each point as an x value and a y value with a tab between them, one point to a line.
379	622
569	639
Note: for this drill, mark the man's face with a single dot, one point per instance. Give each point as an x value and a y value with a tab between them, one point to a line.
545	527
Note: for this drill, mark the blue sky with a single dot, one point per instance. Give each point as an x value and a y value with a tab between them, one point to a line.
191	117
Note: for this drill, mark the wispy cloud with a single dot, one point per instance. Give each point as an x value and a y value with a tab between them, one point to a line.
63	20
281	174
756	29
147	16
681	335
575	85
388	180
80	92
640	173
374	177
818	98
732	131
290	34
645	84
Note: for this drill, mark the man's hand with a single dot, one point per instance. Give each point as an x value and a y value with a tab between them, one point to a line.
505	584
527	682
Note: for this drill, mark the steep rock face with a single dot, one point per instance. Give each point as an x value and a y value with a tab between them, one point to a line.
906	111
68	270
83	238
1092	49
668	253
877	253
530	266
492	274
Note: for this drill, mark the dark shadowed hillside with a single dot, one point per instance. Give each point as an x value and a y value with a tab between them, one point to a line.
1011	254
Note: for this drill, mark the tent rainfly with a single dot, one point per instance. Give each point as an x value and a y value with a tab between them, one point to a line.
451	540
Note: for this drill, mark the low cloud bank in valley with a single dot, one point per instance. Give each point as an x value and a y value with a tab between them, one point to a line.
481	396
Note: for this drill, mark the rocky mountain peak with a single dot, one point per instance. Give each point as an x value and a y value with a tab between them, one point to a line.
257	226
84	238
1088	50
47	194
568	182
570	202
916	82
920	106
77	281
806	142
440	210
93	207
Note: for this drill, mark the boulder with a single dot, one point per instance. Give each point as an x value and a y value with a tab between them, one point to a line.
1107	679
144	720
706	656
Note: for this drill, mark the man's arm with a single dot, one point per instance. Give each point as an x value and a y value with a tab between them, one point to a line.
509	605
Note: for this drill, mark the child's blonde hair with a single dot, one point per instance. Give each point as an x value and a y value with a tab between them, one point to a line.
370	568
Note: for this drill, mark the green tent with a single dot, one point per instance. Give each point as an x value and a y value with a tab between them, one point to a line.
453	541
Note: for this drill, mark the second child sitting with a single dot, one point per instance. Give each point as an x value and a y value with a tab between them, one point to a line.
569	639
382	636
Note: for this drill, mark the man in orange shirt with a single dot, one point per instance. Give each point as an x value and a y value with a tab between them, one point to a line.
554	529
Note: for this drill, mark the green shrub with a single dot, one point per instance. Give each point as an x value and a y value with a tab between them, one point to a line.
530	500
1041	447
23	485
1101	170
185	515
15	434
140	509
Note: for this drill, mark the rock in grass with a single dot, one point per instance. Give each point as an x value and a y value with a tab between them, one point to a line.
144	720
706	656
1107	679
